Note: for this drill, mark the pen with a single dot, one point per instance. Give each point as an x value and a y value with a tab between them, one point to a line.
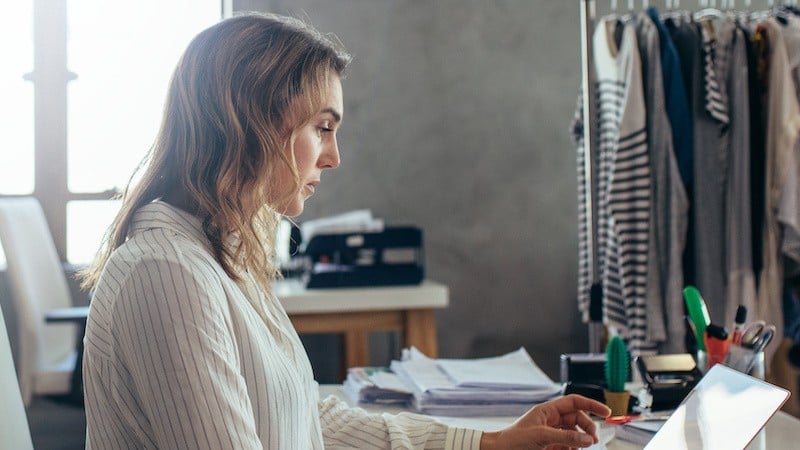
738	324
698	313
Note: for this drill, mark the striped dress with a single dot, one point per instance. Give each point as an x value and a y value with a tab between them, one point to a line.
623	182
178	355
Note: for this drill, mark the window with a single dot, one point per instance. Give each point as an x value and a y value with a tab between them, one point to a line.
16	109
82	90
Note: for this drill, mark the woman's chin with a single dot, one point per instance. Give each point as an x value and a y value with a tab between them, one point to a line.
294	210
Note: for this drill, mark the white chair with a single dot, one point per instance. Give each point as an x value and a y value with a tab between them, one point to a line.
47	353
14	431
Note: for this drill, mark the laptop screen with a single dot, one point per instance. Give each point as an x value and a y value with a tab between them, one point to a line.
725	410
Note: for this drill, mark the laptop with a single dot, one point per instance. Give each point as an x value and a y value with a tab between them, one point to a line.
725	410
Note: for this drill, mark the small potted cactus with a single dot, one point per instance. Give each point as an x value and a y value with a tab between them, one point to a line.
617	366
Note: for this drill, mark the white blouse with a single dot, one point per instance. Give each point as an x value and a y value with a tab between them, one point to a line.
178	355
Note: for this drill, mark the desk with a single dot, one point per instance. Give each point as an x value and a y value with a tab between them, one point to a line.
356	312
782	431
352	312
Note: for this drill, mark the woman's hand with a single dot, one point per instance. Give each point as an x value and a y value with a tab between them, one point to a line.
563	423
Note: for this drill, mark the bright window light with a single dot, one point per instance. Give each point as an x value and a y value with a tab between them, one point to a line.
16	106
123	54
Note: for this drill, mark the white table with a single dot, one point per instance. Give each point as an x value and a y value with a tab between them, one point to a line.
781	433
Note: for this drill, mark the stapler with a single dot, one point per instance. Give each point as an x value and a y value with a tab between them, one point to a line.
668	378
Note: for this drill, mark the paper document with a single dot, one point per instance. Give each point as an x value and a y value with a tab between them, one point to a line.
515	370
354	221
472	387
375	385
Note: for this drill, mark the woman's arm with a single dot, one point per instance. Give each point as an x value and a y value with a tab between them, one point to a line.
174	335
347	427
559	423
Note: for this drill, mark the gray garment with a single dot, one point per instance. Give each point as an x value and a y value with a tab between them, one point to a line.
782	131
710	183
669	206
733	71
791	36
789	210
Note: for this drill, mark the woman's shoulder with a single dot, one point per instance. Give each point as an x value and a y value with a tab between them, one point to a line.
158	253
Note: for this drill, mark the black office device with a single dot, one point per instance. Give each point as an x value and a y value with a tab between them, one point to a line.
393	256
668	378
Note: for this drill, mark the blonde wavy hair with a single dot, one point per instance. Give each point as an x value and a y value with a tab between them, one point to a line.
238	93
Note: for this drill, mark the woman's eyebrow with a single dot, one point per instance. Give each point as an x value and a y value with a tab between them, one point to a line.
337	116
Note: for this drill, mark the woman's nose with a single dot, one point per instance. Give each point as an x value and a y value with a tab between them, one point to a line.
330	158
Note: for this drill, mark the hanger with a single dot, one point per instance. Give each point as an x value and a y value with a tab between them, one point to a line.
614	23
708	11
628	14
672	11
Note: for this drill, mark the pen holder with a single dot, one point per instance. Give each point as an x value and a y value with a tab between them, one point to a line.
746	360
702	360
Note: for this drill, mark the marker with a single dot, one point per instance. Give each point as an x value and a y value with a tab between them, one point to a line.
717	343
738	324
698	313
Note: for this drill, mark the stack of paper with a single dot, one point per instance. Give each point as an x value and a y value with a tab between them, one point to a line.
506	385
377	385
354	221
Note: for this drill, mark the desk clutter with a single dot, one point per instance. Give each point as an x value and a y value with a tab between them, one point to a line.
506	385
351	250
740	347
725	409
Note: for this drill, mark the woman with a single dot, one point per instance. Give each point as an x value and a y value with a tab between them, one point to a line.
186	347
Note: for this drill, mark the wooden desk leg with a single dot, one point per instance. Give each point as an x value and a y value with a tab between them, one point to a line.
356	348
419	330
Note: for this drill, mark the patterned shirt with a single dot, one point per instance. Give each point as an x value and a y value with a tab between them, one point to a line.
178	355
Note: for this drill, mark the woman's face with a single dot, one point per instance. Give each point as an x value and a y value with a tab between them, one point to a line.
315	149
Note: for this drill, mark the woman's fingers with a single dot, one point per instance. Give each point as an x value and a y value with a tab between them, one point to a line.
570	438
573	402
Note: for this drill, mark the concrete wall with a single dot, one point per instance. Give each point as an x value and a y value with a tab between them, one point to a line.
456	119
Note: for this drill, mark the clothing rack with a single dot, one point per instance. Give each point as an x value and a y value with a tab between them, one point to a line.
588	16
588	11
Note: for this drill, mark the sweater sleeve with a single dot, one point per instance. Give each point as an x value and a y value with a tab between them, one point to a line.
344	426
177	344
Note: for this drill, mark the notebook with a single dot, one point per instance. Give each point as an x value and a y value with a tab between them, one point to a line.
725	410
